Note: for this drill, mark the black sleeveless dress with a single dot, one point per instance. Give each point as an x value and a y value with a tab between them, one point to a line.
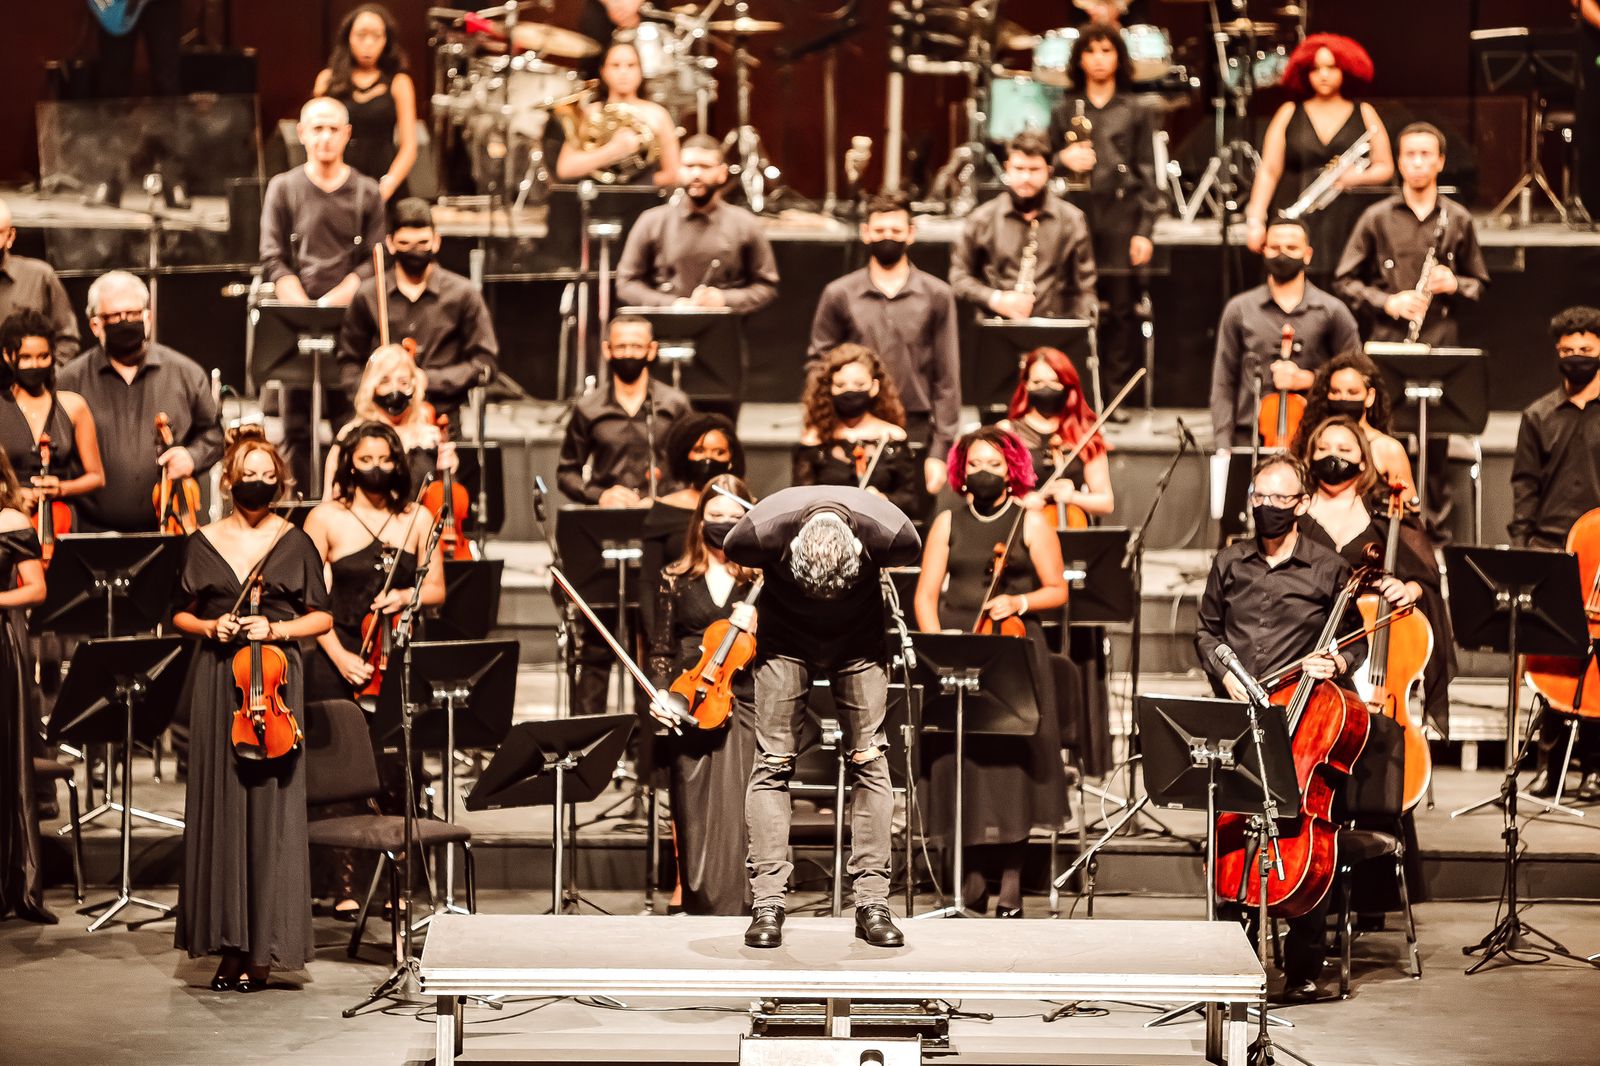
22	448
21	884
1304	157
1012	783
372	129
356	580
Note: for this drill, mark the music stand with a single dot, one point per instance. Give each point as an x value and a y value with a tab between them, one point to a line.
1100	587
465	691
702	347
492	493
1522	601
1542	64
1001	343
109	584
532	769
119	690
601	548
973	685
471	607
1445	390
288	343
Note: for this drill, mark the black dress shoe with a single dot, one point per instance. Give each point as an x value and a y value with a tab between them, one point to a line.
766	927
227	973
1589	790
875	925
1543	784
252	980
1297	992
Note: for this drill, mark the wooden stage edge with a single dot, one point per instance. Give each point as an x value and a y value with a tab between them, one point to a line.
643	957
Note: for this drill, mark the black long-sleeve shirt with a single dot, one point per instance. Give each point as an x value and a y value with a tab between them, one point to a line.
320	237
606	446
1555	474
31	285
796	624
987	256
673	249
1272	615
1124	155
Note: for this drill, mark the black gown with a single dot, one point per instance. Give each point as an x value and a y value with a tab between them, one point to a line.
357	579
897	474
373	120
21	882
1011	783
246	864
21	447
1305	156
709	769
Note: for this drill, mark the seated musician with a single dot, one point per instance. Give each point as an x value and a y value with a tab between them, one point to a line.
1011	783
1268	598
1348	386
709	767
1049	415
1555	480
1250	336
43	421
437	310
643	150
124	381
855	429
391	391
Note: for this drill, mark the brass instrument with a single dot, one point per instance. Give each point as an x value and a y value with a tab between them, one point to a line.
1324	189
587	128
1029	265
1429	261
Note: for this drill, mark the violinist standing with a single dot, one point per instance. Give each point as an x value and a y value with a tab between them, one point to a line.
38	408
1268	599
1011	783
246	889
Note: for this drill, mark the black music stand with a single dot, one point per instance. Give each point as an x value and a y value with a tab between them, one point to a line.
601	548
117	691
1437	391
293	344
560	762
494	494
702	350
1543	65
1001	343
973	685
1520	601
465	692
1100	586
471	607
109	584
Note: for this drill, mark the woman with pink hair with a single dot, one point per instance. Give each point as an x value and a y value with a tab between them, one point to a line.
1307	134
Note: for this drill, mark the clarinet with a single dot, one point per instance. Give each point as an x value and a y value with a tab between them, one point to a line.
1429	261
1030	260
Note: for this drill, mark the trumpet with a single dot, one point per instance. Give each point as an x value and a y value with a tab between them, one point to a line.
1324	189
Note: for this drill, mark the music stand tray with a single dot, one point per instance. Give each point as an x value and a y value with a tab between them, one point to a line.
1001	343
1100	588
1175	728
700	347
593	543
109	584
1454	383
471	607
276	352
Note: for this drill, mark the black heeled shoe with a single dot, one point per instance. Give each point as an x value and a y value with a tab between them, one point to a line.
1007	912
252	980
227	975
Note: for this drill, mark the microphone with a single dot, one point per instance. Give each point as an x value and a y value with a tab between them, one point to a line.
1230	662
1186	434
538	498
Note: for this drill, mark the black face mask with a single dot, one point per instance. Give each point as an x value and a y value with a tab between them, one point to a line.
375	478
852	405
1354	410
253	495
393	403
125	341
1579	370
1049	401
628	371
414	261
1027	204
1334	469
1284	267
1273	522
703	470
716	533
887	253
35	379
985	488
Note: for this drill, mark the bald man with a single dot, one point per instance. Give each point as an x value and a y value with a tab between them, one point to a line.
31	285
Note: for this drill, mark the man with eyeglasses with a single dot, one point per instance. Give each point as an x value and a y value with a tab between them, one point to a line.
1268	598
436	308
28	284
1555	480
128	379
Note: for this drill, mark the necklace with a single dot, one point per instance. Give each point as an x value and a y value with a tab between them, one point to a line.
998	511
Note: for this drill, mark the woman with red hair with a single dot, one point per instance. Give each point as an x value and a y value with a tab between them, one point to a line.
1306	135
1050	416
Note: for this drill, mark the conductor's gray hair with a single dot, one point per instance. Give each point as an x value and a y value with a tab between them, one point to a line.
825	556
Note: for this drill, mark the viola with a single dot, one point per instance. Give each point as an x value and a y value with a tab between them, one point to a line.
1398	654
263	727
1328	727
447	498
1571	684
1068	516
51	518
377	633
1281	410
707	687
177	503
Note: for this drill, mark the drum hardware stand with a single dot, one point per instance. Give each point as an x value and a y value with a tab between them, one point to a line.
750	156
1227	166
828	44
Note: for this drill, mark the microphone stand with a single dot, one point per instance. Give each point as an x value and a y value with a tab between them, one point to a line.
566	637
906	661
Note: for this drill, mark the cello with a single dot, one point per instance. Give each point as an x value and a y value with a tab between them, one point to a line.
51	517
177	504
1572	685
1328	728
1398	654
1281	410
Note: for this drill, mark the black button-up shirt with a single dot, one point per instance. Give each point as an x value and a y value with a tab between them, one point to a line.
607	446
1555	474
1250	339
1272	615
1384	256
988	255
1124	156
914	333
454	333
125	419
31	285
673	250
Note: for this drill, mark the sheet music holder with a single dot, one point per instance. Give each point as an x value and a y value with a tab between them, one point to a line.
700	348
595	544
1000	343
477	678
466	475
1100	588
1453	382
109	584
1175	727
295	344
471	607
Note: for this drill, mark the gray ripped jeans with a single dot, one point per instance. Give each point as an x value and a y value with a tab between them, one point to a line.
860	689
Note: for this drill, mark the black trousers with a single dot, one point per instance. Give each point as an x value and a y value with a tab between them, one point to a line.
160	28
1555	729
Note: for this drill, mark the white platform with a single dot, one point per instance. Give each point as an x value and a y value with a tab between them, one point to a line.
651	957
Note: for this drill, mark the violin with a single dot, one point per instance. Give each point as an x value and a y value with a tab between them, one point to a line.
177	505
707	687
1068	516
1009	626
864	464
1398	654
263	727
1569	684
1281	410
1328	727
378	628
447	498
51	518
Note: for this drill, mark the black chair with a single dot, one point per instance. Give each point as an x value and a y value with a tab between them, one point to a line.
341	768
50	770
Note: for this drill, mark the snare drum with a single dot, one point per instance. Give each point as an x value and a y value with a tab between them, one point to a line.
1020	103
1149	52
1050	56
520	88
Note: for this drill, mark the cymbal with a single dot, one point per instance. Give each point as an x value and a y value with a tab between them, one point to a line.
1289	11
1245	26
552	40
744	27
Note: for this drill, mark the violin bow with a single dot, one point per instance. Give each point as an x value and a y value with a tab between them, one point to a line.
255	571
1274	680
656	695
394	564
872	464
380	295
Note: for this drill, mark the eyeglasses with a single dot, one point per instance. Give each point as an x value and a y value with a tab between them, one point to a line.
122	316
1275	499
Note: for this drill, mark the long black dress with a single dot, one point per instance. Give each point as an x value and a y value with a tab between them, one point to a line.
1012	783
897	474
22	448
246	864
1304	157
21	885
371	150
709	769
